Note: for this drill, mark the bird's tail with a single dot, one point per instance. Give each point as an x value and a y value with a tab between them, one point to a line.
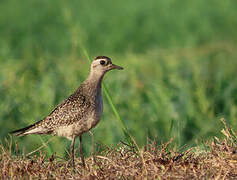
22	131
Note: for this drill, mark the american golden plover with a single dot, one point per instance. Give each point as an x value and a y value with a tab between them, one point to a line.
79	112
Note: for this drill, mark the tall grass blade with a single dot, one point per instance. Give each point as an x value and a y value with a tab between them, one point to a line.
45	143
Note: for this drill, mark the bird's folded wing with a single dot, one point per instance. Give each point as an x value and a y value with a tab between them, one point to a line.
69	111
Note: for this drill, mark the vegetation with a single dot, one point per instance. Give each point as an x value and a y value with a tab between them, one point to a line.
179	78
216	160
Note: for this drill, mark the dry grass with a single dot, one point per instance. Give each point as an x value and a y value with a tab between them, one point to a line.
218	160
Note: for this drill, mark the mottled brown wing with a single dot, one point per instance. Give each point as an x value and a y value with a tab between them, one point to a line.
69	111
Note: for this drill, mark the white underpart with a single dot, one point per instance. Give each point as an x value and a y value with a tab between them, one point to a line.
38	130
66	131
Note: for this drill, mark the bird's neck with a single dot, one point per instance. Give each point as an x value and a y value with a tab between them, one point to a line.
95	79
93	83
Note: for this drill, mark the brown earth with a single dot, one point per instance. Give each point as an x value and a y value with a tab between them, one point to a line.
215	160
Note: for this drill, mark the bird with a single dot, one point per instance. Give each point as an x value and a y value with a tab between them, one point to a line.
78	113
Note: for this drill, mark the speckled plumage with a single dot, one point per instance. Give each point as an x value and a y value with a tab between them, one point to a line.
75	110
81	111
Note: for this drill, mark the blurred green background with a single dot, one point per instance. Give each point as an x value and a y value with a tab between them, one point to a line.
180	60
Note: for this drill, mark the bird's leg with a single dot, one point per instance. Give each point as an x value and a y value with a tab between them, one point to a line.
72	151
81	152
93	146
92	141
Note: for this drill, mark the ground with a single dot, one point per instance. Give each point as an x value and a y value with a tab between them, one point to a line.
216	159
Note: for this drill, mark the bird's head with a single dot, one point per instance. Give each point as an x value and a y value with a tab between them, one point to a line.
103	64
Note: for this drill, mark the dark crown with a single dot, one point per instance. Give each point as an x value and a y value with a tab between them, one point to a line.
102	57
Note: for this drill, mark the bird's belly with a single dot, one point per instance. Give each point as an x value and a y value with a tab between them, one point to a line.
65	131
82	126
78	128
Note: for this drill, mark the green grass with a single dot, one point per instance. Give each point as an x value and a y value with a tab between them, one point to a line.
179	59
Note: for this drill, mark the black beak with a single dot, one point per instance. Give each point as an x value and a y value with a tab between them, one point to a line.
113	66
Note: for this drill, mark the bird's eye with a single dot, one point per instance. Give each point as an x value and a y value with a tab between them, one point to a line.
102	62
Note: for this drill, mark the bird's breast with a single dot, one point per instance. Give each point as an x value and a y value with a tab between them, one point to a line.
92	118
96	114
